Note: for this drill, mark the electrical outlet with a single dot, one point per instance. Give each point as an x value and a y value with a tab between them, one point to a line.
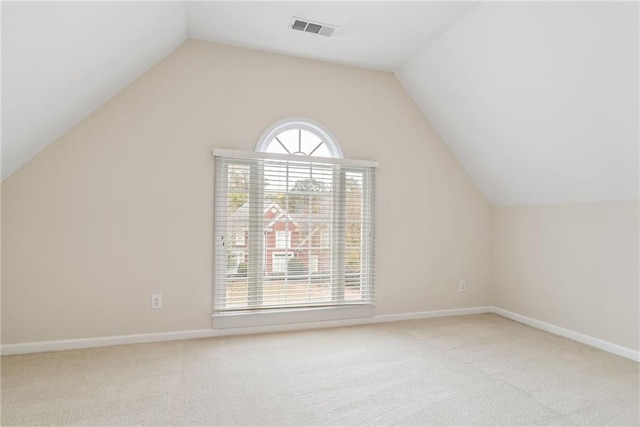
156	301
463	286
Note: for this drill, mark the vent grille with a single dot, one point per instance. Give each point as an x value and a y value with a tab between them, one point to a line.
307	26
299	25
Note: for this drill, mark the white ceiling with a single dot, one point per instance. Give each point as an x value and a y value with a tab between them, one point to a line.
61	61
379	35
539	101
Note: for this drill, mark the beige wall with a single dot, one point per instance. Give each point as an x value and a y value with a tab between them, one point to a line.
575	266
121	206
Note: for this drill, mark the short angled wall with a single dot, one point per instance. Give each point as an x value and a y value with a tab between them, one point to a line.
572	335
574	266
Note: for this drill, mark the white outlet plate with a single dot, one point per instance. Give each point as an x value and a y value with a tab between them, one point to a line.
463	286
156	301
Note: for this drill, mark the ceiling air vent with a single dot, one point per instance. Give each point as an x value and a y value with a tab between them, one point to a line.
312	27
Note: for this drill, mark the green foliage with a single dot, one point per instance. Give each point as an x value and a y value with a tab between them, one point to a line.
238	190
237	199
295	266
242	269
352	264
232	260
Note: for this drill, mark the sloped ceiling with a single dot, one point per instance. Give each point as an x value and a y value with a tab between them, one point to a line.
61	61
539	101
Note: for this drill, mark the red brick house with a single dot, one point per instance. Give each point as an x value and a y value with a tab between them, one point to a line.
305	239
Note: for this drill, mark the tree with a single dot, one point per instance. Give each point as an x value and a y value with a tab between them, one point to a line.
353	207
305	196
238	190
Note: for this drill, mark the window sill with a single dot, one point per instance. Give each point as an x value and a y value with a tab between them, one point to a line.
278	317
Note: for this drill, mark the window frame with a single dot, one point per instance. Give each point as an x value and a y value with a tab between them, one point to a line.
278	243
299	123
239	239
273	316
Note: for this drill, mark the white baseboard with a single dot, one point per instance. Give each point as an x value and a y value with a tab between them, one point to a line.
572	335
75	344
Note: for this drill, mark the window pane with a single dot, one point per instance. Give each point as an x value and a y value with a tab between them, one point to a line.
236	216
298	141
297	236
277	148
353	237
283	239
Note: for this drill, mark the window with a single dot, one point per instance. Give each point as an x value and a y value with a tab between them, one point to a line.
240	238
309	224
280	261
299	137
283	239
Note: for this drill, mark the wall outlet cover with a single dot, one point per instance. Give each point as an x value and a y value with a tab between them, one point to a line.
156	301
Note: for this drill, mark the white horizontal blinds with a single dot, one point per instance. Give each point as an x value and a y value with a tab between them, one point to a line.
292	232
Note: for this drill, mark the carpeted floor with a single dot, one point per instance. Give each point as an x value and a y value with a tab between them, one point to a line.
480	369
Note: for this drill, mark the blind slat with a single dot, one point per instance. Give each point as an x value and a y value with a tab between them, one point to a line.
291	233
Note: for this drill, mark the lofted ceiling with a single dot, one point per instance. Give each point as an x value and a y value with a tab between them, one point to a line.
379	35
539	101
61	61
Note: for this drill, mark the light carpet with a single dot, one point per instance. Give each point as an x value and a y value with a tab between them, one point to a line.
480	370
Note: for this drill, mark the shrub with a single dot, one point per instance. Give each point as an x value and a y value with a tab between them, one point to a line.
295	266
242	269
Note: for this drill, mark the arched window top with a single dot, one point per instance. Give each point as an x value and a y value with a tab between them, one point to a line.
299	136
